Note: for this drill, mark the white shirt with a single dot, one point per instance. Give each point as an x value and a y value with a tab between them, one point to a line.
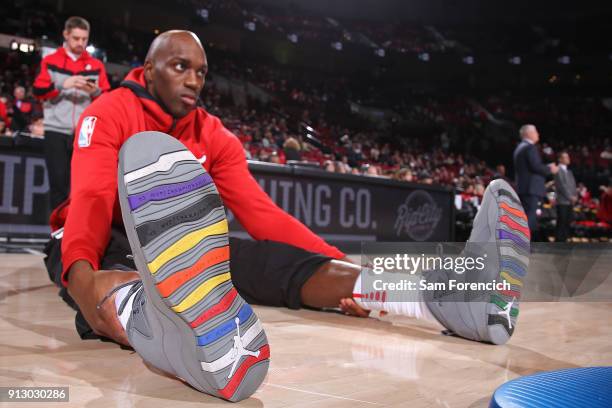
72	56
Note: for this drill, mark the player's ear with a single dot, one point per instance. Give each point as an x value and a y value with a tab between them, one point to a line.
148	71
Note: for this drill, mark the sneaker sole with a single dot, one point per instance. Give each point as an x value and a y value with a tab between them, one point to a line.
177	229
513	246
491	318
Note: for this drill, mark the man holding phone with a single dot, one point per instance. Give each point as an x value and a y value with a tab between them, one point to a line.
68	81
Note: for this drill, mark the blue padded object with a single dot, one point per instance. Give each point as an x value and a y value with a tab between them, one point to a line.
574	387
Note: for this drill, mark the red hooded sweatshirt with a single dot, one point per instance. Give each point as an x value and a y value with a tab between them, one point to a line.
103	128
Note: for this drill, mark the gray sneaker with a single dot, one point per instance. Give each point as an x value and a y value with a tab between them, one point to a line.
501	226
187	319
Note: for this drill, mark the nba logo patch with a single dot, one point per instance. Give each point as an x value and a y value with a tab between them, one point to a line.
87	128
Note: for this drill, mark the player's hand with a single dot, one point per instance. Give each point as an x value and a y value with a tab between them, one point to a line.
88	288
75	81
350	307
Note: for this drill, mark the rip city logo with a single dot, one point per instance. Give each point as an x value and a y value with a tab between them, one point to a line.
418	216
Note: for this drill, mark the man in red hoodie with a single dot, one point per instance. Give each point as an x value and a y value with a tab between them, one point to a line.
287	264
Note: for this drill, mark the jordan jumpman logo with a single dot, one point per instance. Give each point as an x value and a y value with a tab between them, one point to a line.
507	310
238	351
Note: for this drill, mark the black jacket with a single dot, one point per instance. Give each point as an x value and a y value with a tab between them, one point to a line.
22	115
530	172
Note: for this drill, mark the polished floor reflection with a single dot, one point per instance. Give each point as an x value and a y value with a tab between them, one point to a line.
318	359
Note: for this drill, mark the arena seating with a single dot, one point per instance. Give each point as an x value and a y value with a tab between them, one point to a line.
439	138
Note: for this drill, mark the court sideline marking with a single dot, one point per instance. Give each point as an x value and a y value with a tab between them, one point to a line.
320	394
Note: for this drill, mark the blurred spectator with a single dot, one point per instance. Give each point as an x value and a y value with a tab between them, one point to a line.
372	170
584	195
69	79
425	178
604	212
500	173
566	197
374	153
403	174
340	167
21	110
292	148
329	166
37	128
4	118
274	158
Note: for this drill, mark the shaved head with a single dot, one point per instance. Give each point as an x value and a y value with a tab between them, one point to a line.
165	40
175	69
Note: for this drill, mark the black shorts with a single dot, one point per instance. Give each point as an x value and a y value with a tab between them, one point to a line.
263	272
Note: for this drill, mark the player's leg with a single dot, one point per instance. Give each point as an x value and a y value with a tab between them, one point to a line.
332	281
58	164
501	224
276	274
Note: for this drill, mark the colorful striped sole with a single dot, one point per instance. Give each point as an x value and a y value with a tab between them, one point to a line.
501	235
177	228
513	236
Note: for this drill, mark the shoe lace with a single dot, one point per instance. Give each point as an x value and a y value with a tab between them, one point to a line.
135	288
136	284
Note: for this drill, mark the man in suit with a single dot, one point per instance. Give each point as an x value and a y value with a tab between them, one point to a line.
530	174
565	186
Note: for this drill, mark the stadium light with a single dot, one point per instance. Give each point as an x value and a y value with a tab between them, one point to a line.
21	46
337	46
203	13
293	38
424	56
564	60
91	49
469	60
516	60
250	25
380	52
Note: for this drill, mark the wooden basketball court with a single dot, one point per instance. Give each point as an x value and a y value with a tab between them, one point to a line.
318	359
